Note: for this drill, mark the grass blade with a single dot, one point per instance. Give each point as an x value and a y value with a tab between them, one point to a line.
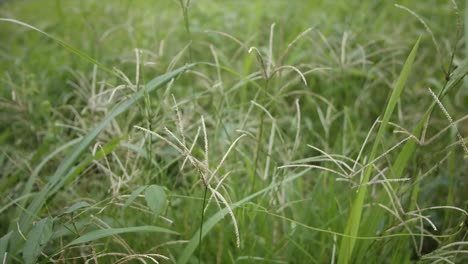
134	195
98	234
3	248
37	239
77	206
354	219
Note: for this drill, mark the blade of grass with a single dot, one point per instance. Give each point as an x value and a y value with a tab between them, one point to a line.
37	239
98	234
32	178
403	157
134	195
352	227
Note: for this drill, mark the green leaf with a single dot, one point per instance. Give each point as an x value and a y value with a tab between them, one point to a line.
33	177
77	206
98	234
155	199
38	237
133	196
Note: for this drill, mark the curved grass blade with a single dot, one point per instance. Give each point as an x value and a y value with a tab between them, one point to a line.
3	248
134	195
32	178
37	239
76	170
354	219
98	234
77	206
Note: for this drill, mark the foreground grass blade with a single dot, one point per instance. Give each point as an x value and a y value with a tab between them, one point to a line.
37	239
352	226
98	234
134	195
4	247
60	176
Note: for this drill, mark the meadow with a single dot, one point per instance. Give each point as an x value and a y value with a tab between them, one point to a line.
247	131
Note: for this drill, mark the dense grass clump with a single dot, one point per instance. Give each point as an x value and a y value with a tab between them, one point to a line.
233	131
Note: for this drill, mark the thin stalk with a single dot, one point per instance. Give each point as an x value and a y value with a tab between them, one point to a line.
257	151
201	223
187	24
259	139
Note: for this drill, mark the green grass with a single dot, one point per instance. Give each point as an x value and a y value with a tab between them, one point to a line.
241	131
352	226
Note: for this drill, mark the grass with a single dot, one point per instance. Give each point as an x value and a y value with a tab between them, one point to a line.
352	226
239	131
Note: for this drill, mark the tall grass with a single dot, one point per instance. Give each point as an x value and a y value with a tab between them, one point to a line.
232	132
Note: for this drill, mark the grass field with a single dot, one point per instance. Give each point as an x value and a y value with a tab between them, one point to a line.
205	131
